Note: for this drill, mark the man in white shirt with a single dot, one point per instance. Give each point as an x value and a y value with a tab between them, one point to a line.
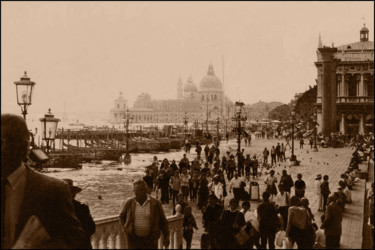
271	181
317	183
216	187
282	204
235	184
251	221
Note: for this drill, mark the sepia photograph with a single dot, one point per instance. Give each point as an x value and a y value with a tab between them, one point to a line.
187	124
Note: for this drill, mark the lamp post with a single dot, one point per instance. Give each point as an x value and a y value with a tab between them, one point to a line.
293	117
127	119
49	127
315	124
186	119
217	127
24	91
238	118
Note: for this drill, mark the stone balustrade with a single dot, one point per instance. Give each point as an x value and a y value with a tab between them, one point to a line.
109	235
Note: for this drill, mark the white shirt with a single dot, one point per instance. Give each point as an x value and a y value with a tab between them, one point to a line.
281	200
217	189
317	184
269	180
235	183
251	217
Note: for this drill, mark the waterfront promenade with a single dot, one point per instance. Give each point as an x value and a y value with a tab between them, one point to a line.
330	161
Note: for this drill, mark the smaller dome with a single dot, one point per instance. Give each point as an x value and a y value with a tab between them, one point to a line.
364	29
190	86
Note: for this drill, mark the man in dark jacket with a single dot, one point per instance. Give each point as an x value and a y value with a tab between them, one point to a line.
211	218
83	214
287	181
268	222
332	223
30	196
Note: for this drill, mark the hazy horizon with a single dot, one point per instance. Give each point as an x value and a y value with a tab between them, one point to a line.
82	54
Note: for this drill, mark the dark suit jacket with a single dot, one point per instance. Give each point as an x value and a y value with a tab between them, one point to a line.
333	219
49	199
84	216
159	223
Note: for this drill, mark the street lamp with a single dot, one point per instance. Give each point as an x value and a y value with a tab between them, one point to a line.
315	124
24	89
186	119
238	118
293	117
49	127
217	127
127	119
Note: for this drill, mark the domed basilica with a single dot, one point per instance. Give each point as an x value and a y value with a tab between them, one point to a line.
206	102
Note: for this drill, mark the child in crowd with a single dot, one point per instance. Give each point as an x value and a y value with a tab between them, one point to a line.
189	224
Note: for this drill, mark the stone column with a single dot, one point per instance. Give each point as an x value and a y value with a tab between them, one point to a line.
342	90
342	124
361	129
361	86
319	120
328	90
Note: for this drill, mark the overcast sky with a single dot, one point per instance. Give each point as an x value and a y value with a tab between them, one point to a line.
84	53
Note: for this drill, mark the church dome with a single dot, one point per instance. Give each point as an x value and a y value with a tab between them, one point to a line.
190	86
210	81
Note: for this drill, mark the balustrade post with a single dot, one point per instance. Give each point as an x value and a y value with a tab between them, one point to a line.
105	241
112	237
122	239
95	240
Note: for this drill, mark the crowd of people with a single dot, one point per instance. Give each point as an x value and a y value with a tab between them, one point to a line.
207	180
203	182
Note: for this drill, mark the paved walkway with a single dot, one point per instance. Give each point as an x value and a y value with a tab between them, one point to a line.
327	161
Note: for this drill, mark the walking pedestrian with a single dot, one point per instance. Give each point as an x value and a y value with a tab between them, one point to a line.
301	142
175	183
318	192
235	186
203	192
287	181
282	151
282	204
332	223
299	186
231	167
248	163
273	155
324	187
185	178
268	222
278	152
189	224
252	226
210	221
271	181
142	219
265	155
255	165
296	225
230	224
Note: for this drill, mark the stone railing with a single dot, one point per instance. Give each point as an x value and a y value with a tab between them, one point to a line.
109	235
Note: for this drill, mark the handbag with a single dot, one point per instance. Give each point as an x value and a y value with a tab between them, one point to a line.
242	236
280	236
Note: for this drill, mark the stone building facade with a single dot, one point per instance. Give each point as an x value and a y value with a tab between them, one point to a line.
345	94
206	102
